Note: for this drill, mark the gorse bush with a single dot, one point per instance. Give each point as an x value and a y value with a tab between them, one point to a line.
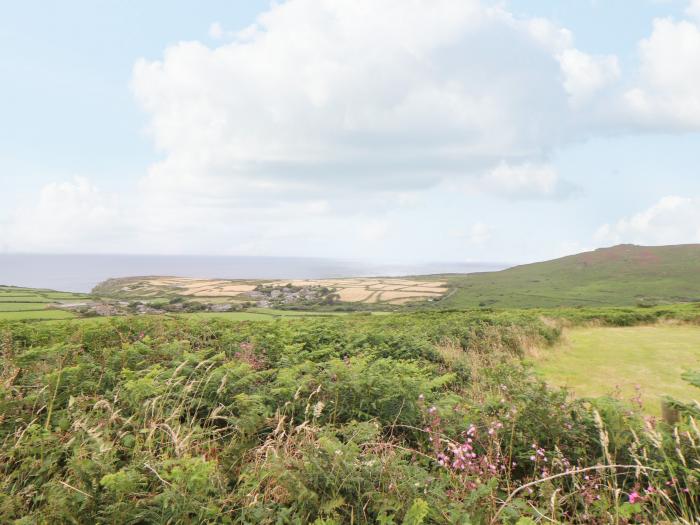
417	418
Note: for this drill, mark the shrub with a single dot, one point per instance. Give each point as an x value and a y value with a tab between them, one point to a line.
418	418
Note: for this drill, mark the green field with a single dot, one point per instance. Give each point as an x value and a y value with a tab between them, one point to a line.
601	361
64	296
232	316
620	276
35	315
22	297
13	297
262	314
21	307
29	304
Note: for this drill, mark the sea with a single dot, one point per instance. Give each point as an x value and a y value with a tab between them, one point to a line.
80	273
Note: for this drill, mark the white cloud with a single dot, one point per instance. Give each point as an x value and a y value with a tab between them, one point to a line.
672	220
480	233
585	75
326	115
523	181
693	8
373	231
667	95
357	95
216	31
66	216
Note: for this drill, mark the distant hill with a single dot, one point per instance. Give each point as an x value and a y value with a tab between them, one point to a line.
618	276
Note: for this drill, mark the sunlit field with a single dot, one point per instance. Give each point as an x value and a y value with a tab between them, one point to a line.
626	362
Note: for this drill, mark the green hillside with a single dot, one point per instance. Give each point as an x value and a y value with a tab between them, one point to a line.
620	276
17	303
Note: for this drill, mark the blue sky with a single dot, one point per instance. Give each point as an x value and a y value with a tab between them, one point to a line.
416	131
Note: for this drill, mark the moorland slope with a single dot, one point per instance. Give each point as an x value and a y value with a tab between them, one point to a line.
622	275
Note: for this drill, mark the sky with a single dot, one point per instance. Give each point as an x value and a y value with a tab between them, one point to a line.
382	130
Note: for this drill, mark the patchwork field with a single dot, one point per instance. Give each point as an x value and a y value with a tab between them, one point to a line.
150	287
25	303
393	291
380	290
20	307
626	362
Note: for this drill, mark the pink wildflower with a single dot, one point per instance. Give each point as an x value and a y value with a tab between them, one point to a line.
634	497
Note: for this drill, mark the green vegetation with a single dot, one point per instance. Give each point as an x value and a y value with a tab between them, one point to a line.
39	305
262	314
263	415
409	418
65	296
654	278
6	298
622	316
35	315
644	362
621	276
19	307
234	316
293	313
34	304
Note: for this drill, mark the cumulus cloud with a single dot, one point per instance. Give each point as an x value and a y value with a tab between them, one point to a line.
693	8
341	110
218	32
357	95
672	220
66	216
586	75
667	95
523	181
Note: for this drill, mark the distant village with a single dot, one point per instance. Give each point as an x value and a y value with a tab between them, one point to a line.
263	296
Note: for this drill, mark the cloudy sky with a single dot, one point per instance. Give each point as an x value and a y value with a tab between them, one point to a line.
387	130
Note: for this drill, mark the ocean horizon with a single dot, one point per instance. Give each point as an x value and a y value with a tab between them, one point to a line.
80	273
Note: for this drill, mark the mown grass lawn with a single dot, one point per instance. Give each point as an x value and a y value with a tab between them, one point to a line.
600	361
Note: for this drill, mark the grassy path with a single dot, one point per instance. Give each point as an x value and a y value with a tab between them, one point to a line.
599	361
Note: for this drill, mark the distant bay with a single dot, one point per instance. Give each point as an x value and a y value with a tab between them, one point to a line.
80	273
